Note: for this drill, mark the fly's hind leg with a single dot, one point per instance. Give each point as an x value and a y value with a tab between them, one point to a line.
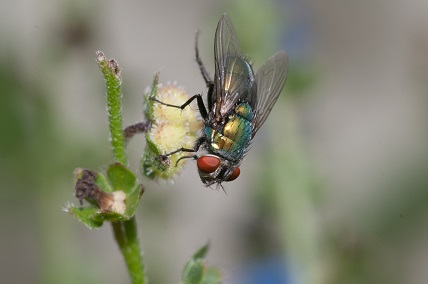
202	68
208	81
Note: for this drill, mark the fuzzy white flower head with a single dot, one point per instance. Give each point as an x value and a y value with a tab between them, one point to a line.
171	129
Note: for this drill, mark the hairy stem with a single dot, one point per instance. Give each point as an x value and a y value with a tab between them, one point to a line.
125	232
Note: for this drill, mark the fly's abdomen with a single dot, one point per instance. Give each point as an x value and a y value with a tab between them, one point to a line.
235	136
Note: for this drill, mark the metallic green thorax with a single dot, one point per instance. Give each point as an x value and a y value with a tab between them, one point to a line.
234	137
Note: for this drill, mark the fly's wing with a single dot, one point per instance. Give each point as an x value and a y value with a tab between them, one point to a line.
270	79
231	75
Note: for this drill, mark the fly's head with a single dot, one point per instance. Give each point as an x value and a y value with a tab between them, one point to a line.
213	169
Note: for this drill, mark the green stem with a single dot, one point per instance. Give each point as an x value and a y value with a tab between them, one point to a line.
125	232
113	79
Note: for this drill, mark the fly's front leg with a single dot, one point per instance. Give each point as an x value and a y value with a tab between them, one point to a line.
165	157
194	157
195	149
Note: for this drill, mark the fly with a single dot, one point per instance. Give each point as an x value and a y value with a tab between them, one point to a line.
239	101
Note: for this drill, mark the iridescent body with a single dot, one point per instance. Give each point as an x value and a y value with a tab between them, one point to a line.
231	140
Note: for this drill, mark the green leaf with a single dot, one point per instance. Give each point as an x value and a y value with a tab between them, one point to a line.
133	199
92	217
121	178
201	252
196	272
212	276
193	272
103	183
86	215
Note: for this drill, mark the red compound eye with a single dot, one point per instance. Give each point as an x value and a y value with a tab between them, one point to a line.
208	164
235	174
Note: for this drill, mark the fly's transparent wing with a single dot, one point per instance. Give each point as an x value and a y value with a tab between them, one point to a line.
233	74
226	44
270	80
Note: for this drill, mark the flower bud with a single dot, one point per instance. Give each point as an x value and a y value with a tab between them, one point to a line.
171	129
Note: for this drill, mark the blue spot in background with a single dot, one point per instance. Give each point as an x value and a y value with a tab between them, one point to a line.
271	270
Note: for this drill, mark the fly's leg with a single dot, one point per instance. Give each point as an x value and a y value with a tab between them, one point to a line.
164	158
196	147
198	97
194	157
204	71
176	151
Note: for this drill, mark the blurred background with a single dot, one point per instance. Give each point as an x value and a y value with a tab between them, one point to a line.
334	190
